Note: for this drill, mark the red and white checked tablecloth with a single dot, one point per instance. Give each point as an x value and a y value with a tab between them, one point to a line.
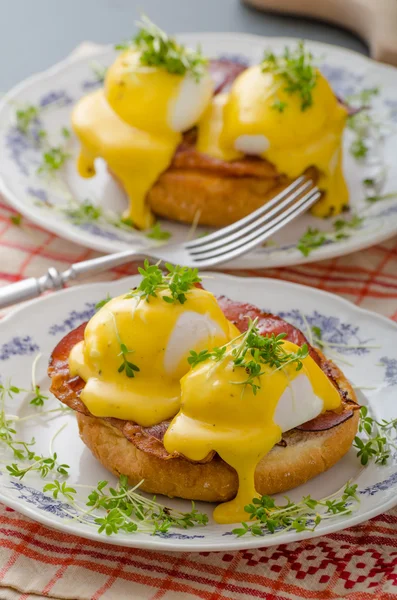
358	563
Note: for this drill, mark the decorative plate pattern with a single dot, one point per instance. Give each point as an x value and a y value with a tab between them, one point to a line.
59	88
344	327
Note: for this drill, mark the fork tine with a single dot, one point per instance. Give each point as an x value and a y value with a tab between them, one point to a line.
245	220
243	245
261	220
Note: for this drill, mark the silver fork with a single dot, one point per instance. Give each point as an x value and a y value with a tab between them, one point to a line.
221	246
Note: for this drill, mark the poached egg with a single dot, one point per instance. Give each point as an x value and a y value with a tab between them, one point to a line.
157	338
219	412
246	121
135	124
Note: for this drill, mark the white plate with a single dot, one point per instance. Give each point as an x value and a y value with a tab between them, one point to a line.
60	87
22	337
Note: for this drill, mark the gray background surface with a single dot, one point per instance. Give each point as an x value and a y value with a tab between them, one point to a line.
37	33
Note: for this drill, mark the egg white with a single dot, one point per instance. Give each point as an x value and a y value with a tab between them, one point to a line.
297	405
191	329
252	144
192	99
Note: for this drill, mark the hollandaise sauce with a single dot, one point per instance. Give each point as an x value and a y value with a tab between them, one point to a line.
155	337
220	412
246	121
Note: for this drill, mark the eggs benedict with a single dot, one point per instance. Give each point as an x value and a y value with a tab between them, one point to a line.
203	398
210	141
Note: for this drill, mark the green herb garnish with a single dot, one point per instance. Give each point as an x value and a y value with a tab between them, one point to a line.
26	117
279	105
378	442
127	366
363	97
255	351
124	509
60	489
314	238
39	398
362	124
343	224
318	336
16	219
311	239
306	515
178	281
381	197
7	429
102	303
157	49
86	212
252	352
359	148
156	233
53	159
297	71
41	464
126	221
196	358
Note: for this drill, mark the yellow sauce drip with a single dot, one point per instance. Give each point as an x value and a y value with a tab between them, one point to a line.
297	139
128	125
218	413
145	328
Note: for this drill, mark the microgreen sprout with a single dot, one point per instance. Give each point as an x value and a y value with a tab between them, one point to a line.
377	438
381	197
127	366
362	123
53	159
60	489
25	117
122	508
297	71
177	282
314	238
102	303
267	516
251	351
16	219
41	464
157	233
256	351
196	358
38	397
157	49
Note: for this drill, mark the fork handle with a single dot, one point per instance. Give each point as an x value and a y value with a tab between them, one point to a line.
20	291
53	280
30	288
98	265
